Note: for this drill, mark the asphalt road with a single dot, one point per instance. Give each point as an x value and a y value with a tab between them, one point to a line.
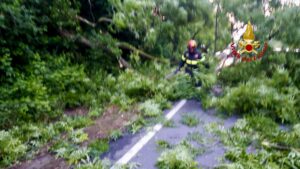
148	154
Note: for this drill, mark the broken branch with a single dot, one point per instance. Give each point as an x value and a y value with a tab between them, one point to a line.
85	21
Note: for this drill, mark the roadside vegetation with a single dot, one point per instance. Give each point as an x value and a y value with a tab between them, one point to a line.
59	56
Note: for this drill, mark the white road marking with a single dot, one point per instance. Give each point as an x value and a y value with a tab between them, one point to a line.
143	141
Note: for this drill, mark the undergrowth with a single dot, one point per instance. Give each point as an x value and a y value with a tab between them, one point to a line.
266	93
178	157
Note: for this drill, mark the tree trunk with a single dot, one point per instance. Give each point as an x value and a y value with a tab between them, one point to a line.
216	27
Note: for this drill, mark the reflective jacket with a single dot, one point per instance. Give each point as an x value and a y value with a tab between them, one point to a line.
191	59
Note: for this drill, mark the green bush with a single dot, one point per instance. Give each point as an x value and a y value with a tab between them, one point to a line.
240	73
11	148
293	63
25	100
135	85
68	84
256	97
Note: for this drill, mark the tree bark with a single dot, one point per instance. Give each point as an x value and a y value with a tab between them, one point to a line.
86	21
104	19
73	37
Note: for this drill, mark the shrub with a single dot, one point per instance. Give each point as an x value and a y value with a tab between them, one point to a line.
135	85
256	97
25	100
240	73
11	148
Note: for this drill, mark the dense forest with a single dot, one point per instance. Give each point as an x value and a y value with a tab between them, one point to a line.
61	56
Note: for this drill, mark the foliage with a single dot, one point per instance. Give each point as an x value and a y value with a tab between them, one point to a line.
92	164
164	37
75	156
249	91
11	149
254	97
266	153
131	165
51	61
98	147
137	125
78	136
71	150
96	112
150	109
28	138
195	136
275	148
169	123
281	24
115	134
162	144
181	87
190	120
179	157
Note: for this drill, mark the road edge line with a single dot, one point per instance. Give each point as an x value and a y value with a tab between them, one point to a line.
145	139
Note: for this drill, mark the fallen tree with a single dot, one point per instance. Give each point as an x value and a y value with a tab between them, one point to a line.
121	45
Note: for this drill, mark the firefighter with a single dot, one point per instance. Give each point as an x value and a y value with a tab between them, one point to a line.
191	58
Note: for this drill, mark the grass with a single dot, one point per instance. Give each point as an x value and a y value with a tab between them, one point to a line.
162	144
116	134
180	157
98	147
169	123
215	128
195	136
137	125
131	165
190	120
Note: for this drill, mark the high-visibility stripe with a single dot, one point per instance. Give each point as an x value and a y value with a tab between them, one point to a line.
192	62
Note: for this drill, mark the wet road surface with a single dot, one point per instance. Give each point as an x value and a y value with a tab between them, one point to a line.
148	154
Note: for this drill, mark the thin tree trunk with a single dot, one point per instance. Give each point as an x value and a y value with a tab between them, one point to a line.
216	27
